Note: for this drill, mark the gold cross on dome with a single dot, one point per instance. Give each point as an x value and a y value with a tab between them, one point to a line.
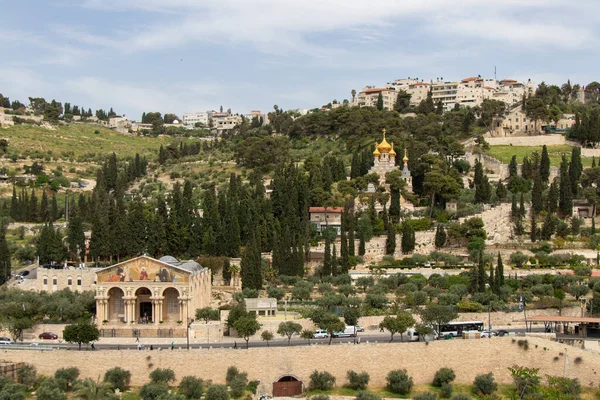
384	133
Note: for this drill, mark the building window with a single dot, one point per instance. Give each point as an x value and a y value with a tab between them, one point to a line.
45	281
54	281
69	281
173	305
79	282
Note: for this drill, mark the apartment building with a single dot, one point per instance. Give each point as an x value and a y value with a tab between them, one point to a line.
191	119
225	121
326	217
369	95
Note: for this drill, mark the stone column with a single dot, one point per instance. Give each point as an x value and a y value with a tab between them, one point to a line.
160	310
126	310
100	311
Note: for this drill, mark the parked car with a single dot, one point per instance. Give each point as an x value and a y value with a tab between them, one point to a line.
320	334
502	332
359	328
48	335
5	341
487	334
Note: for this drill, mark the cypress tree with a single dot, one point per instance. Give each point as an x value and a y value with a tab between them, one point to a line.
565	200
209	243
553	195
593	230
379	104
408	237
55	214
537	202
593	162
545	165
481	273
14	206
366	162
501	191
548	227
5	262
499	274
100	246
513	168
251	264
33	208
522	211
440	236
492	280
344	260
390	241
44	208
136	229
575	169
334	261
75	235
361	245
327	265
533	233
519	229
526	168
355	167
351	234
514	210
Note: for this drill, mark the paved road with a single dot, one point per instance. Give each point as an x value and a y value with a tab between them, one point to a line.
130	343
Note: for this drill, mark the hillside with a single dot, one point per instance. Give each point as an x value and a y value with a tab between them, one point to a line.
82	142
505	153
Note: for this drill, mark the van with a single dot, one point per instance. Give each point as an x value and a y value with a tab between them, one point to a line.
349	331
320	334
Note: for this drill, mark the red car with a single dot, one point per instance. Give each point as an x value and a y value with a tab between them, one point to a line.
48	335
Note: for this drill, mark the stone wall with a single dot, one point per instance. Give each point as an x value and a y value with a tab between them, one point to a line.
467	357
499	168
537	140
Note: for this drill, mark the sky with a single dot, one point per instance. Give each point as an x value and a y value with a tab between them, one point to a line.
192	55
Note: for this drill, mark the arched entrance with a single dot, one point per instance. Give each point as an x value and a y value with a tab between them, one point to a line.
171	307
116	305
144	305
287	385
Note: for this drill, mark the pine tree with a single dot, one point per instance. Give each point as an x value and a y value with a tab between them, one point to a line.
533	233
390	241
440	236
565	200
251	265
408	237
537	201
545	165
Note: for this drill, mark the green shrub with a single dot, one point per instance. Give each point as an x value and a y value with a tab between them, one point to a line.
461	396
569	388
446	390
485	384
321	380
238	385
66	377
365	395
443	375
425	396
152	391
252	386
50	390
358	380
398	381
319	397
118	377
13	391
217	392
191	387
162	375
26	375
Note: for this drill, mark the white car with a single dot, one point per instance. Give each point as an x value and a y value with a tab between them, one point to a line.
5	341
320	334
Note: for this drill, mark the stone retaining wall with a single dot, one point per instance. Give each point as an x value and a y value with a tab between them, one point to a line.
468	358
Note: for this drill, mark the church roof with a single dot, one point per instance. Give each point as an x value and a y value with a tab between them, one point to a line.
384	146
188	266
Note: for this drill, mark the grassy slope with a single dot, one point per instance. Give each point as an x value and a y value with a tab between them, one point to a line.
505	153
79	139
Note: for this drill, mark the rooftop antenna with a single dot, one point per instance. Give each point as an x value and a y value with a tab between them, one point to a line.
495	77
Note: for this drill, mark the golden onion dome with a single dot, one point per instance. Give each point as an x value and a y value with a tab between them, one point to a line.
405	159
376	152
392	152
384	146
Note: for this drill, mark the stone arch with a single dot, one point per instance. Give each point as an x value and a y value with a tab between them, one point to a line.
171	308
143	304
287	385
116	304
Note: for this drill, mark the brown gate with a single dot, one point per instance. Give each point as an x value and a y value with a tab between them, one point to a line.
287	386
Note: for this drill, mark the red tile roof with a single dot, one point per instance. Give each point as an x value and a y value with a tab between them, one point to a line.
375	90
472	78
332	210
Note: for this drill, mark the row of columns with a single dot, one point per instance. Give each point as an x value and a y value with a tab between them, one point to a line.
130	303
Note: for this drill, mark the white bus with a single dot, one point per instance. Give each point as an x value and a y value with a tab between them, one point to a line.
456	329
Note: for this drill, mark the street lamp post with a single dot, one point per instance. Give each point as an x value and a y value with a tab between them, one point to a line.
189	323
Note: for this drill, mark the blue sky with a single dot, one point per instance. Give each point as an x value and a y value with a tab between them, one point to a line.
193	55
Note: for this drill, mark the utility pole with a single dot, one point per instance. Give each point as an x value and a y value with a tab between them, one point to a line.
490	321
